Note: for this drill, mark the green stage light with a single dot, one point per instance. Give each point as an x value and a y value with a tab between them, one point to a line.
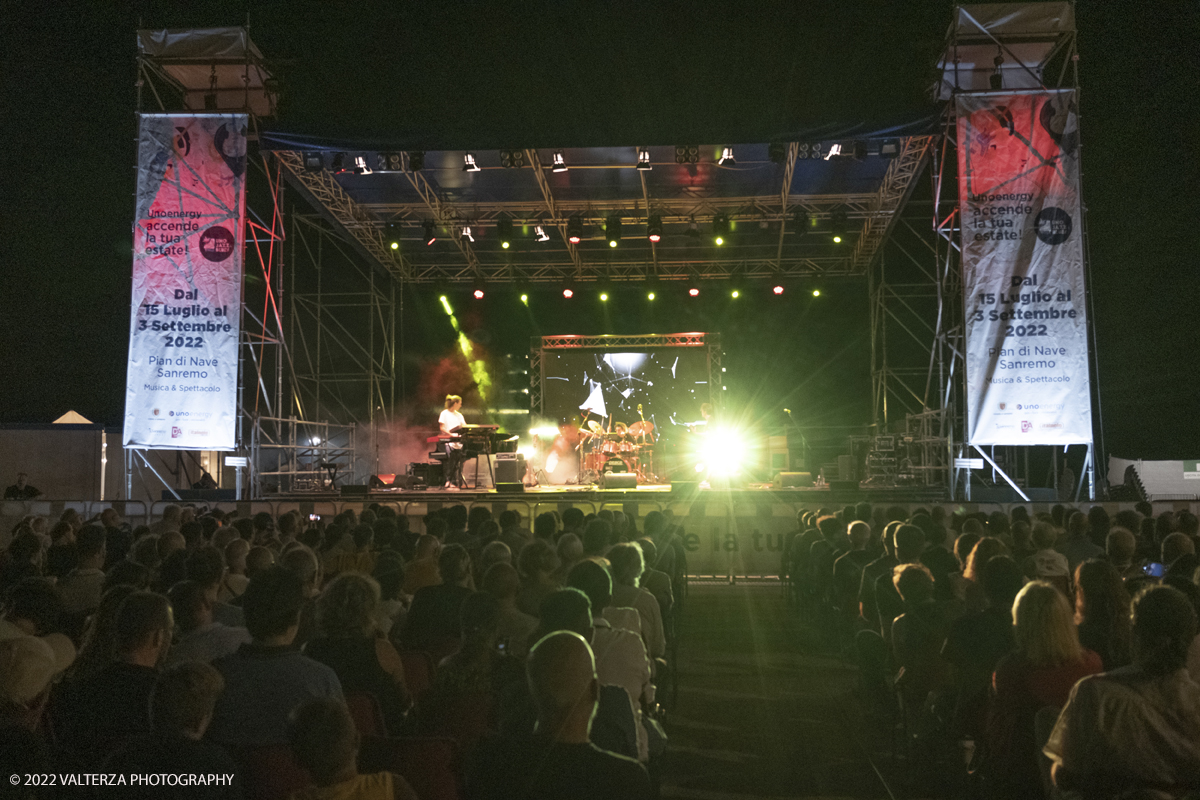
650	295
735	294
604	297
836	240
816	292
525	299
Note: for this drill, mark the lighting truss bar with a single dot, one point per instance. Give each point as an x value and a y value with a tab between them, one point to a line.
896	185
443	213
567	342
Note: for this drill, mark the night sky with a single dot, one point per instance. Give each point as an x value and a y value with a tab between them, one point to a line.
565	73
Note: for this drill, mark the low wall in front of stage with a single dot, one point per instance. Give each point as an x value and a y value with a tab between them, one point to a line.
722	533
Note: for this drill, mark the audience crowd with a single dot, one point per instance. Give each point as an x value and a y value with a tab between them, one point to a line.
350	657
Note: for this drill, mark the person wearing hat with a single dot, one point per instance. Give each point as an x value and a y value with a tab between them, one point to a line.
29	666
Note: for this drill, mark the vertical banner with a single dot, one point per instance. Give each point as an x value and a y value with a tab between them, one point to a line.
181	384
1023	281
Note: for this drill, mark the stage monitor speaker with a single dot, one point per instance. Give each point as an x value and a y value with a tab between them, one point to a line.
355	491
793	480
510	470
381	481
843	487
509	487
846	468
618	480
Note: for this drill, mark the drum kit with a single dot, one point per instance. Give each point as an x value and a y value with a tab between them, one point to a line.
620	448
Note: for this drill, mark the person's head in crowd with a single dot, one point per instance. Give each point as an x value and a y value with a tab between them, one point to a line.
502	582
1044	535
63	532
984	550
456	517
1101	598
1044	626
206	566
545	526
258	559
191	606
561	672
655	524
476	517
437	528
596	538
127	573
264	526
832	530
1164	625
363	535
289	525
564	610
593	580
1001	579
385	532
1077	525
489	531
271	604
889	538
1120	545
29	666
90	547
650	550
1022	536
494	553
1143	508
997	524
509	519
963	546
33	605
209	528
171	515
182	702
235	556
910	542
143	629
1058	513
569	550
454	565
573	520
325	741
170	542
937	514
302	561
25	549
922	520
389	574
479	618
98	646
245	528
347	606
192	533
914	583
605	514
1147	531
310	538
537	560
1187	523
1175	545
1164	525
109	518
972	525
1098	523
628	563
171	571
187	514
428	546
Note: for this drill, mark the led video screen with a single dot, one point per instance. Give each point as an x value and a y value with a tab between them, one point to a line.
668	383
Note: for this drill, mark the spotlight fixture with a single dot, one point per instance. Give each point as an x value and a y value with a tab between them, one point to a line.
777	288
693	230
478	292
801	222
389	162
727	157
542	236
512	159
653	286
416	160
391	234
816	292
996	79
643	159
777	152
575	229
338	163
568	288
720	229
466	234
314	161
612	229
687	153
559	164
889	148
837	225
504	228
469	164
694	292
360	166
430	233
735	293
654	228
525	298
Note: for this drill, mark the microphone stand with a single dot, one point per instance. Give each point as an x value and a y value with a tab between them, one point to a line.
803	439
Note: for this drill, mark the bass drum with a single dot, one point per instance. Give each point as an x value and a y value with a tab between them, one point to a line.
615	464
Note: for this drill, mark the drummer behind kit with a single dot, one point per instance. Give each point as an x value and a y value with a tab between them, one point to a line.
619	448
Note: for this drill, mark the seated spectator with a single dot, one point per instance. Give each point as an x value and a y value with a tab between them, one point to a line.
978	640
560	760
596	539
871	572
101	709
325	743
32	607
1039	673
1102	612
235	580
1174	547
23	559
80	589
1136	729
389	574
824	552
423	571
987	548
352	646
513	531
936	556
126	573
258	559
493	553
513	625
918	635
657	582
302	562
359	559
60	556
570	553
1022	536
200	637
1121	546
545	527
29	666
181	708
1046	562
910	542
267	679
848	568
478	665
627	567
1079	546
434	616
206	566
536	564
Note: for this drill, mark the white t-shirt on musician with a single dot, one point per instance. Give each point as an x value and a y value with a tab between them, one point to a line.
449	420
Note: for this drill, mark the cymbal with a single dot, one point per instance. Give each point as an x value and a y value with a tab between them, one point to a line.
640	427
594	425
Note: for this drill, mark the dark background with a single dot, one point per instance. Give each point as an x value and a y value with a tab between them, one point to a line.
566	73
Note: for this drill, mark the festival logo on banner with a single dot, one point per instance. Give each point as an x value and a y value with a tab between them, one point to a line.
1023	280
181	385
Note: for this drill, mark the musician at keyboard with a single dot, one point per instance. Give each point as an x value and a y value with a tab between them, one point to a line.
449	422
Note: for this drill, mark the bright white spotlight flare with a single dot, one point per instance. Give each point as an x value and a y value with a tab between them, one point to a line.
724	451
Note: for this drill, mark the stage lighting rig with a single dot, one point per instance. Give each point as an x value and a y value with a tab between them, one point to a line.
612	229
559	163
996	79
575	229
720	229
693	284
478	289
727	158
392	233
542	236
314	161
512	159
430	232
466	234
643	159
837	225
776	283
469	164
654	228
568	288
504	229
801	222
889	148
338	164
416	160
360	166
816	292
693	230
687	154
777	152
